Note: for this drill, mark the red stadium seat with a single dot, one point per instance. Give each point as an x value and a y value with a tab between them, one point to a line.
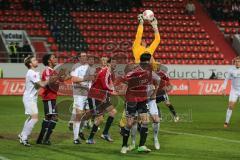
73	53
50	40
54	47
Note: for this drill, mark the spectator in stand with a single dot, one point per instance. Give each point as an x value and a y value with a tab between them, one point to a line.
55	28
190	8
19	52
13	51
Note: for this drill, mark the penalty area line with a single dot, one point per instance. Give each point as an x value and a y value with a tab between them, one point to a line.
202	136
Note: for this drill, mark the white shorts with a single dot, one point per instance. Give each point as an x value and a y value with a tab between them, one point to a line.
233	97
30	105
153	109
80	102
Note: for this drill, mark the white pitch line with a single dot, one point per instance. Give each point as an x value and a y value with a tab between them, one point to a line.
202	136
3	158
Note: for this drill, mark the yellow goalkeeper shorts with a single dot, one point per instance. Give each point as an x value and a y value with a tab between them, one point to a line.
123	120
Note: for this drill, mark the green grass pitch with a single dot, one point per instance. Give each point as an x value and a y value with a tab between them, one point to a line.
199	136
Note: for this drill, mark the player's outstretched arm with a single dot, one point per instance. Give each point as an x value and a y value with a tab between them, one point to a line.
35	79
41	84
61	76
138	39
157	39
78	79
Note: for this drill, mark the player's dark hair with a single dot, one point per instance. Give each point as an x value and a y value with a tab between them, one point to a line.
28	60
46	58
145	57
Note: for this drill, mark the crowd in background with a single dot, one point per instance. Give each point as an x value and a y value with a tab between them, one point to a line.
223	9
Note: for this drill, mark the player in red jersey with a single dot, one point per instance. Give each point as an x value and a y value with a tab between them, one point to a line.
101	90
162	95
49	96
137	95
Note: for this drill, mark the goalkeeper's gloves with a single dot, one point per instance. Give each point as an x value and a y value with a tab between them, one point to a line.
140	19
154	22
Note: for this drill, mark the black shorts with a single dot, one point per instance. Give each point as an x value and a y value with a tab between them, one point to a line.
50	107
102	106
134	108
162	98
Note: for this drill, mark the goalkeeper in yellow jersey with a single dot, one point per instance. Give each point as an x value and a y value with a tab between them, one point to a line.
140	47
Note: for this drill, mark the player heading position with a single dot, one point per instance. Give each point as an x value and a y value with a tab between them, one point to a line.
30	96
234	75
49	96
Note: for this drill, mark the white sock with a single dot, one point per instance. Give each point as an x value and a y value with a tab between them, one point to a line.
28	126
228	115
76	126
134	133
23	133
155	130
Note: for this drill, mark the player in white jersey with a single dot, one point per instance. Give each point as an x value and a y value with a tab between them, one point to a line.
32	84
91	72
81	84
234	75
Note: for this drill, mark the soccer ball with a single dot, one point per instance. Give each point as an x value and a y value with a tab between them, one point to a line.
148	15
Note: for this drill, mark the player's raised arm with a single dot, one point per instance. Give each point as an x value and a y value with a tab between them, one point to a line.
77	79
138	39
41	83
157	39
